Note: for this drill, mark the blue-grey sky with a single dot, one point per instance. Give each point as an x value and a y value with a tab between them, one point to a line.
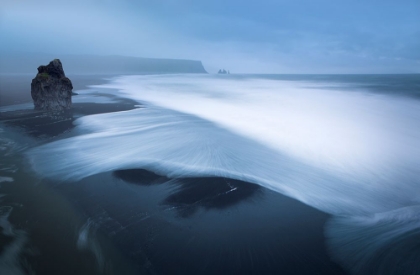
265	36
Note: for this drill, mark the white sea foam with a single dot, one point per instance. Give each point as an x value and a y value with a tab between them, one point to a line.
353	132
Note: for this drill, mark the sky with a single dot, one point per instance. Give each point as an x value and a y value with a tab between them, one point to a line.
243	36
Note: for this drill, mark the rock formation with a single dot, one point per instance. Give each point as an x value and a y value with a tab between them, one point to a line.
223	71
51	89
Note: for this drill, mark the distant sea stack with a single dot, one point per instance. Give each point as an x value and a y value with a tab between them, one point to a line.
223	71
51	89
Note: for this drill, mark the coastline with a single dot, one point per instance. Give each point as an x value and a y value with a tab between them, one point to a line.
149	223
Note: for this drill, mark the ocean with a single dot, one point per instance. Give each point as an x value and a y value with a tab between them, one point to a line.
217	174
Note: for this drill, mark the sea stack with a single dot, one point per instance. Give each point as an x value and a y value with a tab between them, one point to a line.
51	89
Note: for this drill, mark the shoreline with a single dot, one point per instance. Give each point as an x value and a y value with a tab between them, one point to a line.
151	223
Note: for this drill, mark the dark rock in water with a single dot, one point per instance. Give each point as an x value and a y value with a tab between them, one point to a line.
51	89
223	71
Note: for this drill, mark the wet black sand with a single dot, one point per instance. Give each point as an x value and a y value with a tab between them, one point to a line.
203	225
52	124
136	222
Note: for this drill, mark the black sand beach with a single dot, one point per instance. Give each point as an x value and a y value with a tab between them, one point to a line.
136	222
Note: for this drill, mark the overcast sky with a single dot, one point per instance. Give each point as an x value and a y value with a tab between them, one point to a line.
244	36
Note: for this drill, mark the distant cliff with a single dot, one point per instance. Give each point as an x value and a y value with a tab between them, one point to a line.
92	64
